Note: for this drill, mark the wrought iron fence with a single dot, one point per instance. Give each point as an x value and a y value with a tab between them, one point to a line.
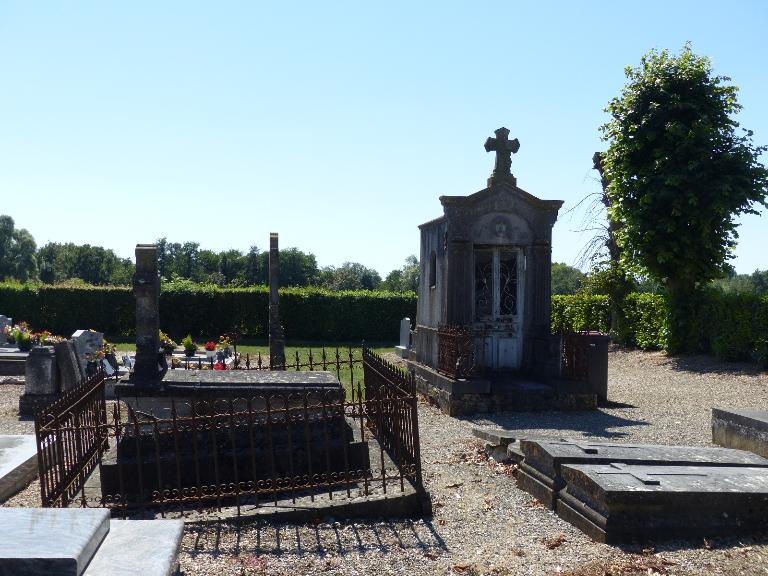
258	449
456	351
71	437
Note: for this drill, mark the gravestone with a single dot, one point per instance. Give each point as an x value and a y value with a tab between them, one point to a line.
146	289
404	348
41	382
742	429
68	365
619	502
5	322
276	333
540	473
89	342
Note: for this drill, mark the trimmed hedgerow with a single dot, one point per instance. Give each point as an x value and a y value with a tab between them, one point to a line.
206	310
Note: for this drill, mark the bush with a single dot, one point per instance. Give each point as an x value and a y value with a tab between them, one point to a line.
206	310
580	311
645	321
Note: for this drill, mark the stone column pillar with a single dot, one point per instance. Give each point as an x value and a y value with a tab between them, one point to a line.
146	289
276	334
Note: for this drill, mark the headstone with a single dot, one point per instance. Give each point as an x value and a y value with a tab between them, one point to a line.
40	375
146	289
404	347
78	354
70	375
540	472
41	380
742	429
18	463
276	333
90	342
618	502
5	322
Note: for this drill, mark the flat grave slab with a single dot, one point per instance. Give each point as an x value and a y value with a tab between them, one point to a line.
145	547
224	383
18	463
742	429
618	502
540	471
50	541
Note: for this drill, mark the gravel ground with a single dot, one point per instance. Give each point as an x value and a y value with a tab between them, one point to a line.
482	523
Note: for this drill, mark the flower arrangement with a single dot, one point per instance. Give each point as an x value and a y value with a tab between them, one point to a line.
166	343
224	341
189	345
219	366
24	341
210	346
45	338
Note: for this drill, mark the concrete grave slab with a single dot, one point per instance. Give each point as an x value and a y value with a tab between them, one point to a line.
619	502
18	463
540	472
742	429
50	541
146	547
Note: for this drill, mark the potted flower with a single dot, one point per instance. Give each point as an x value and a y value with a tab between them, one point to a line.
166	343
189	346
24	340
210	349
224	343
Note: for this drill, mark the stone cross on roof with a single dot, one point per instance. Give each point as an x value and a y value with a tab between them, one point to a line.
504	148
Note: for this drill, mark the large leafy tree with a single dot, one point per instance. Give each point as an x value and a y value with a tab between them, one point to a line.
17	252
678	174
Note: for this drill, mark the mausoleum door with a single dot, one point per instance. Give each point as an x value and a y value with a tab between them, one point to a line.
498	305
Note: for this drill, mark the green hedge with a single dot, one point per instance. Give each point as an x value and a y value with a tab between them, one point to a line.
206	311
733	326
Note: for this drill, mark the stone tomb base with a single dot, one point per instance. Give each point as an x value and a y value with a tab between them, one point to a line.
540	473
207	451
620	502
499	392
75	542
742	429
615	492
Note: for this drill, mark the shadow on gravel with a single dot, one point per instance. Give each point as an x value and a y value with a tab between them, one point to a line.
320	540
709	365
597	423
741	543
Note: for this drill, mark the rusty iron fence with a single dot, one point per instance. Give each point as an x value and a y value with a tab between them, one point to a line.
391	408
248	451
71	437
456	351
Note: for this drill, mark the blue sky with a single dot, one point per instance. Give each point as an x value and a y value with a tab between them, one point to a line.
336	124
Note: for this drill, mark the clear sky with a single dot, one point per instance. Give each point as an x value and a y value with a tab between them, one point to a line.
336	124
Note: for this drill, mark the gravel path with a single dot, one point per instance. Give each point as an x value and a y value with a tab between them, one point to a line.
482	523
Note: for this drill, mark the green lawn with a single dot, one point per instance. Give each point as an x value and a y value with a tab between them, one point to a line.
302	349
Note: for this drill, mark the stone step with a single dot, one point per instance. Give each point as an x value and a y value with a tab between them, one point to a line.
50	541
145	547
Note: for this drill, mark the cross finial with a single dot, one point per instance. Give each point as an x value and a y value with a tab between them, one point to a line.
504	149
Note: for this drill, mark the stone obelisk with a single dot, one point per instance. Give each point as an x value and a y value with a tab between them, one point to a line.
146	289
276	335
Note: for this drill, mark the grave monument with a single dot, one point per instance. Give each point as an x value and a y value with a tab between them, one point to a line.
484	304
276	334
146	289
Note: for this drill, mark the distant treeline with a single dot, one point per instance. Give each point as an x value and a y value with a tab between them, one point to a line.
54	263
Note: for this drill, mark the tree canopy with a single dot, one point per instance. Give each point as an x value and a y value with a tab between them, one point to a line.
678	175
17	252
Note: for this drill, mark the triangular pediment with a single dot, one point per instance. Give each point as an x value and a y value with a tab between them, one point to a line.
498	193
